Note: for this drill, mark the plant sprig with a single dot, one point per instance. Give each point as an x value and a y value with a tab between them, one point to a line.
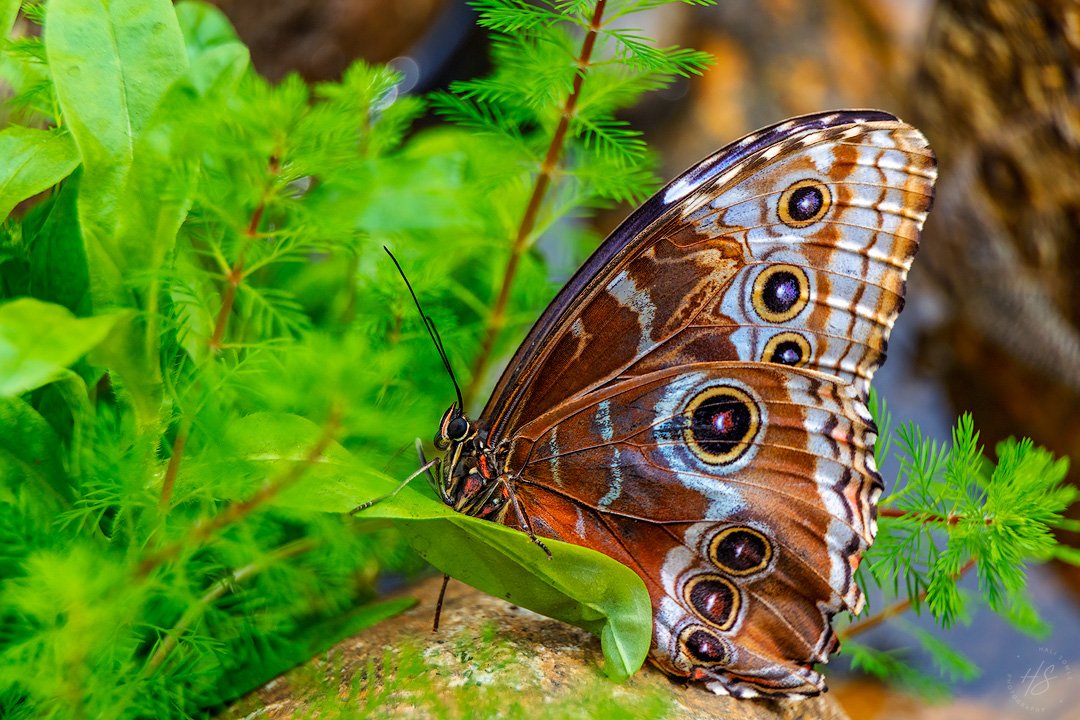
951	511
541	95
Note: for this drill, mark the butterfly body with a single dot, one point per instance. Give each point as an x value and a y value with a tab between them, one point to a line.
693	402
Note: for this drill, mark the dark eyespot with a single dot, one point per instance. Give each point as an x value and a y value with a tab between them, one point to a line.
740	551
780	292
457	429
787	348
804	203
704	647
721	424
714	600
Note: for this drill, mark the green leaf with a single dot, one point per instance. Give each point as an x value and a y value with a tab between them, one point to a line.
577	585
9	10
261	446
39	340
111	63
166	152
30	453
58	271
32	161
205	28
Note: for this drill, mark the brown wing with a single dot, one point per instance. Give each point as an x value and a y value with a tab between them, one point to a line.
652	415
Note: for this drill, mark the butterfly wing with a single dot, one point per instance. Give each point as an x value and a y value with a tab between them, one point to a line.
769	276
743	494
691	275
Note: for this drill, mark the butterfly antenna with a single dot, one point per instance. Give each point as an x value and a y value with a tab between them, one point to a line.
432	331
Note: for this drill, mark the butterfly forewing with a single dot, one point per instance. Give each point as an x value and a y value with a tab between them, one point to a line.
692	403
656	286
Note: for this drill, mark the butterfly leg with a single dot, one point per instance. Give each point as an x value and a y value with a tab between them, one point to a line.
426	467
522	518
431	473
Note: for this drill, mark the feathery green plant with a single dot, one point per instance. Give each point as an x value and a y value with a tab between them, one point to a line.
952	510
205	358
201	341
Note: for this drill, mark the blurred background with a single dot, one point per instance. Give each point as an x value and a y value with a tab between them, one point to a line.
993	306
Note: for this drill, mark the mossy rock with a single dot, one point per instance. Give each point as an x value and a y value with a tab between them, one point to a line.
490	659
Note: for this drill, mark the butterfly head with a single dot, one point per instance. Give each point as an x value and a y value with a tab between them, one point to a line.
454	428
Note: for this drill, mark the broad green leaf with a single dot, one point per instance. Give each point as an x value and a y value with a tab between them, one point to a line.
205	28
65	405
9	10
111	63
32	161
39	340
130	355
30	452
58	271
577	585
165	159
167	154
261	447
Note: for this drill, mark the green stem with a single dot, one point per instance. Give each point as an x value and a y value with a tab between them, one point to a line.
207	528
898	607
497	318
236	274
172	638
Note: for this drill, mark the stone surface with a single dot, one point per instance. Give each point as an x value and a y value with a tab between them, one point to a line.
490	659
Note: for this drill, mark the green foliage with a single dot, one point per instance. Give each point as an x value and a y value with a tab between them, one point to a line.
38	341
205	357
953	510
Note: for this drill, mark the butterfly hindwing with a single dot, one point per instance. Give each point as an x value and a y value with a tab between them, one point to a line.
741	493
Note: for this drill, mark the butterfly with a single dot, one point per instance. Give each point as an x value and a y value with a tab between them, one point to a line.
693	403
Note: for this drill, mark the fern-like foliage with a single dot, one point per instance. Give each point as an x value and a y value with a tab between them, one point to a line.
537	53
200	333
952	511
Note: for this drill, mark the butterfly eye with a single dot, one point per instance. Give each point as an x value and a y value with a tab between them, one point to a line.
457	429
780	292
444	436
787	348
804	203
